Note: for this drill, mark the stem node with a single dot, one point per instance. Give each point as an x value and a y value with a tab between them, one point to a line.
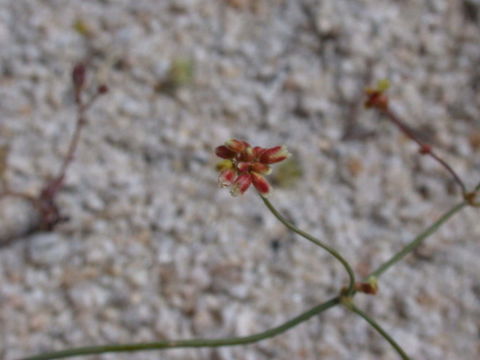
346	300
471	198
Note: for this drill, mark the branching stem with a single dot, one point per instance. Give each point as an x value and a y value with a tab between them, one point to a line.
395	119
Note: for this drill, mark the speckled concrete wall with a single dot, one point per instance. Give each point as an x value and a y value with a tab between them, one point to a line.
155	250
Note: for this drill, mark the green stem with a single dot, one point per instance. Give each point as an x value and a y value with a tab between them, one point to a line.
382	332
418	240
331	251
193	343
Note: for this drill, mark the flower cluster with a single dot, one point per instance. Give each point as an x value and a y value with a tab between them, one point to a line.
244	165
376	97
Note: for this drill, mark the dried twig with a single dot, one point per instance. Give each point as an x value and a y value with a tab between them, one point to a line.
44	203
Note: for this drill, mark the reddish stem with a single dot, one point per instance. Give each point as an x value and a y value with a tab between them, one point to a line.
54	185
425	148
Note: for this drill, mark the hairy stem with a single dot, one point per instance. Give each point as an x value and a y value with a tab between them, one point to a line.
380	330
193	343
331	251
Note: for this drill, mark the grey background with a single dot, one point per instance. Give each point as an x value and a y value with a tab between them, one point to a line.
155	250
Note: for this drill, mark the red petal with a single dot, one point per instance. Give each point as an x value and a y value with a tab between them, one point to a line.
274	155
261	184
243	166
241	184
376	100
226	178
224	152
260	168
257	150
237	146
247	154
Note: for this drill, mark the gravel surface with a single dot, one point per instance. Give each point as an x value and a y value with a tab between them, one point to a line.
154	250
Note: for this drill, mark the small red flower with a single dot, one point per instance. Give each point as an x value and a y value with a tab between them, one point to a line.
244	165
377	100
376	97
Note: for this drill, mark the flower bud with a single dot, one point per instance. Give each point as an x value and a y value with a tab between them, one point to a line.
241	184
260	168
78	76
244	166
261	184
224	152
226	178
235	145
274	155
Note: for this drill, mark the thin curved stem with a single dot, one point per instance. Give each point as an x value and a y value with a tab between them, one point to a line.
380	330
193	343
81	121
397	121
331	251
418	240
